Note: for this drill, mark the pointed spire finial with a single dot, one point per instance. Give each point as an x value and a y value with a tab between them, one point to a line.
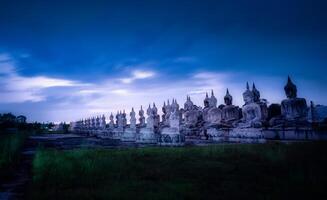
227	92
289	79
253	86
212	92
247	86
207	94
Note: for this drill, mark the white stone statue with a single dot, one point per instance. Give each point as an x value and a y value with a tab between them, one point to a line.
150	119
230	113
251	111
111	122
132	119
142	118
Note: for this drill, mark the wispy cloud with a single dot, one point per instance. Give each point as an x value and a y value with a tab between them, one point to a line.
136	75
18	88
65	99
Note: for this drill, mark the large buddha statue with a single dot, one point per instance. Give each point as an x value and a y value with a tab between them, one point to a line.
251	111
211	114
230	113
191	113
293	108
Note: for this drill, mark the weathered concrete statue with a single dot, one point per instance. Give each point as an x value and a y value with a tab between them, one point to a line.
132	119
150	118
111	122
120	120
211	114
294	110
230	113
251	111
191	113
156	117
103	122
142	118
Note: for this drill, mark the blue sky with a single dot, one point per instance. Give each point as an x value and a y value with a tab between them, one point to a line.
65	60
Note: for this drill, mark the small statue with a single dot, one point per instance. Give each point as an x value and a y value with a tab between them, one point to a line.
132	119
142	118
111	122
156	117
150	118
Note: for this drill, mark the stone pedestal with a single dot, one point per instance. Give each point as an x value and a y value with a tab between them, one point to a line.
246	135
217	135
171	137
129	135
147	136
117	133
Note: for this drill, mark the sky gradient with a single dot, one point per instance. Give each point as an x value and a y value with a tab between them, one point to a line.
62	61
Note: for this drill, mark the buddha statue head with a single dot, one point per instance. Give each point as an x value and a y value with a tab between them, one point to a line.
141	112
256	94
248	95
188	105
290	89
228	98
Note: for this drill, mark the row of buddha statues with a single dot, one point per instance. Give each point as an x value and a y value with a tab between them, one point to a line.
255	113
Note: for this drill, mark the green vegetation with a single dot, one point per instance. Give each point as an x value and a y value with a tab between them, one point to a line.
269	171
10	147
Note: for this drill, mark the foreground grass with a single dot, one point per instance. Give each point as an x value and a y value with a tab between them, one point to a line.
10	147
270	171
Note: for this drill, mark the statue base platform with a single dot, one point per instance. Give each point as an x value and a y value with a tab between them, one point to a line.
117	133
217	135
171	137
246	135
147	136
293	133
129	135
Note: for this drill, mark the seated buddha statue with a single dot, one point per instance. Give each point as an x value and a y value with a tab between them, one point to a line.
293	108
251	111
230	113
211	113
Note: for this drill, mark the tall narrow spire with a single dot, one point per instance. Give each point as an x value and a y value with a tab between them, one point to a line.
227	92
247	86
212	92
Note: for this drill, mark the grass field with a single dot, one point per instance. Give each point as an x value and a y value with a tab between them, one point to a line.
10	147
269	171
